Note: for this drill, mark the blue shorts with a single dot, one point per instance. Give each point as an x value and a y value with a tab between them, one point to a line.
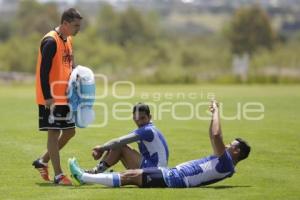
173	178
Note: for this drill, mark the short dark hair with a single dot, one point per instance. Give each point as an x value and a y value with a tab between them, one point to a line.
244	148
70	15
141	107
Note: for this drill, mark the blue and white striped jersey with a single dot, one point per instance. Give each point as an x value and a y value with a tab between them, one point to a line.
200	172
152	146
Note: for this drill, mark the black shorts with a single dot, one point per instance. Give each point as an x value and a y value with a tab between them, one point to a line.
153	178
61	118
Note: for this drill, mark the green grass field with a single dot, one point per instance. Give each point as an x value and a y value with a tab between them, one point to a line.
271	172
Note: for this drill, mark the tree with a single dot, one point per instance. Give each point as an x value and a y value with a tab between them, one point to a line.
137	28
5	31
35	17
109	22
250	29
129	26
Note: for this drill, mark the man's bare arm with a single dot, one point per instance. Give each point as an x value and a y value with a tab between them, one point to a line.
98	150
215	132
119	142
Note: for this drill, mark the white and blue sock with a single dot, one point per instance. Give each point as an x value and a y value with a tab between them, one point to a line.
107	179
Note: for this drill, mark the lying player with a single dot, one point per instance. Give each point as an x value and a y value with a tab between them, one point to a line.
194	173
153	148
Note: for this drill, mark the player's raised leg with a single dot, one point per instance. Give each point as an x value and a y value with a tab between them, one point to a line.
130	158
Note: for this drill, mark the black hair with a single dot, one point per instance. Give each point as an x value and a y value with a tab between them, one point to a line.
70	15
141	107
244	148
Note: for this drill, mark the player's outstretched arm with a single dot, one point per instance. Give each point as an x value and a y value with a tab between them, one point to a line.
114	144
215	132
121	141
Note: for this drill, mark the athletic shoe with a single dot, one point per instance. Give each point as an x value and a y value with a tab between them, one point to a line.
100	168
62	180
75	171
42	168
92	171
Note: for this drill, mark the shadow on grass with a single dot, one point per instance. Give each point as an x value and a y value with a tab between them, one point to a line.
50	184
100	187
220	187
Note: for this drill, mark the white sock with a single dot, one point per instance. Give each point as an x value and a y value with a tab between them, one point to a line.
107	179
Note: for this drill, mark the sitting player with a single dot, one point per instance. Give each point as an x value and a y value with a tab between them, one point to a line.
152	146
194	173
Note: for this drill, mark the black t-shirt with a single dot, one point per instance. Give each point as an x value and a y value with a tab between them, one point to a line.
48	50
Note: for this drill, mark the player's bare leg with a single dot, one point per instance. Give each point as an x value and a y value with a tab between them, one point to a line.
131	177
62	141
53	149
130	158
52	146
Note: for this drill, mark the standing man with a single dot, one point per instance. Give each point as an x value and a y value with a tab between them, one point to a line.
53	69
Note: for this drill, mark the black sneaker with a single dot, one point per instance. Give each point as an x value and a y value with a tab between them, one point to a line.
100	168
92	171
